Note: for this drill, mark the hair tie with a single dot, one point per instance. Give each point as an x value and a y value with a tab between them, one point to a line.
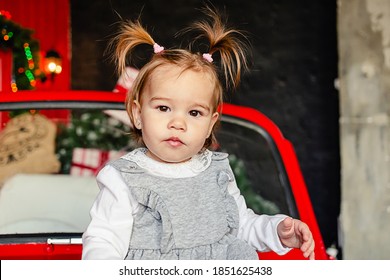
207	57
157	48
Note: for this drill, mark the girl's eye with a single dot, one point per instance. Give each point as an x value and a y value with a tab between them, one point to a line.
163	108
195	113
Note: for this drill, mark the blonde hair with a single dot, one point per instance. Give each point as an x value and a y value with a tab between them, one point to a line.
222	40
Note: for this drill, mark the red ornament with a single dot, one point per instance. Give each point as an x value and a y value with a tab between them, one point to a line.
5	14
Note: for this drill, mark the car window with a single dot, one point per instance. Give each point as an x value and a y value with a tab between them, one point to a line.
258	167
49	159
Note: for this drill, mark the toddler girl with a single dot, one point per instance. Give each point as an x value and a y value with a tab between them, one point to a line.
174	198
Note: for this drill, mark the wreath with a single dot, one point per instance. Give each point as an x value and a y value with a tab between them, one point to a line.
25	50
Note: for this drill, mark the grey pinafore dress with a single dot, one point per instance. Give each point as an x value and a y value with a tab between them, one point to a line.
185	218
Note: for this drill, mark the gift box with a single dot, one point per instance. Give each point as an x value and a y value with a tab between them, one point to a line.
88	162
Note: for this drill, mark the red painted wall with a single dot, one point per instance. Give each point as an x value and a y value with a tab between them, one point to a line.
5	70
50	21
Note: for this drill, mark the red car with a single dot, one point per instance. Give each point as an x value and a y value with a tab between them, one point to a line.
53	143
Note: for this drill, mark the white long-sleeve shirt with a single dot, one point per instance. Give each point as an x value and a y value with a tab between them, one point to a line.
108	234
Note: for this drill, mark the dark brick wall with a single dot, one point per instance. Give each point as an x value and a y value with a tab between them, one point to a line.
292	77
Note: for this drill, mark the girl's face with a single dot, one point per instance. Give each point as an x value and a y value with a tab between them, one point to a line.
176	113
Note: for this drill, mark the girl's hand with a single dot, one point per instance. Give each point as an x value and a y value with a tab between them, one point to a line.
294	233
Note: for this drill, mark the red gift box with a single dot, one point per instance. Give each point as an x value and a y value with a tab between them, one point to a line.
88	162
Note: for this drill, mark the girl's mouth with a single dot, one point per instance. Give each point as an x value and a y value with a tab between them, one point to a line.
174	141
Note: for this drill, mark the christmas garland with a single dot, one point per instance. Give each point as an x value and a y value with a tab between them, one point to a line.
25	72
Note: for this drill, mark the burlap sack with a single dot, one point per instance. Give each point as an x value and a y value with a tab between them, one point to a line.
27	145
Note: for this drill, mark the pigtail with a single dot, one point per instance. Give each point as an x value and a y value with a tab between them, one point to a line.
130	35
227	42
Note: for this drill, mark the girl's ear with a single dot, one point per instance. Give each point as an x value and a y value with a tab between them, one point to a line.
214	119
136	110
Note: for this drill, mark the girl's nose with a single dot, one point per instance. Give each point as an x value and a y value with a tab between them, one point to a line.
177	122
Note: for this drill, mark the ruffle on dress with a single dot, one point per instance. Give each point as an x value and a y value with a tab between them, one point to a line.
160	220
232	216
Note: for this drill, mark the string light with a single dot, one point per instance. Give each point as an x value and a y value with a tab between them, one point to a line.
21	46
29	56
30	77
14	87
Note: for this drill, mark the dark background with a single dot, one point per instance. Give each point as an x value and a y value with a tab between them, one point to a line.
294	65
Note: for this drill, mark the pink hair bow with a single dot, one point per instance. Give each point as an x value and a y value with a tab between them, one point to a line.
157	48
208	57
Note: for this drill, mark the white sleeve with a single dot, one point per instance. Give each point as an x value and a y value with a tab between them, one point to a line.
259	231
108	234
